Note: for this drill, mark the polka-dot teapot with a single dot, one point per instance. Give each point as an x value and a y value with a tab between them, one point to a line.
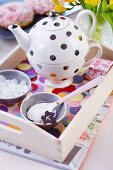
56	47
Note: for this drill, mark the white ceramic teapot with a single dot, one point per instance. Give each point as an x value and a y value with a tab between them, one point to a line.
56	47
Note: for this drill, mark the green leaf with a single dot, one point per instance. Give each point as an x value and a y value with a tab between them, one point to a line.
99	7
105	6
72	4
94	9
109	18
88	6
111	7
82	3
100	20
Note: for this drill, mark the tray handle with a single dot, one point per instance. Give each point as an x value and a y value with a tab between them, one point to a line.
20	125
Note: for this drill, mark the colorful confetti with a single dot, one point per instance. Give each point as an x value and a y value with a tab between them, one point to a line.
34	87
74	104
74	110
78	79
42	79
77	98
4	108
24	66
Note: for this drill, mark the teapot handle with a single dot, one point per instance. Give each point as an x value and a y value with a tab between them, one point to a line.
87	12
97	55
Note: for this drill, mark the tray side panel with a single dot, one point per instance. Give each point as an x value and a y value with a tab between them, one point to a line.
86	114
13	59
29	137
107	52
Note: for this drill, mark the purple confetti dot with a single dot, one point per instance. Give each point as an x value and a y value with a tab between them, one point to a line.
3	123
4	108
78	85
30	73
42	79
74	110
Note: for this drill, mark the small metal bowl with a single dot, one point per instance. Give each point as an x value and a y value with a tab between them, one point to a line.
18	75
29	101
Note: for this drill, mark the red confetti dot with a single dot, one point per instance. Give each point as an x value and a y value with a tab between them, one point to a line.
34	87
69	88
56	91
87	77
66	89
34	79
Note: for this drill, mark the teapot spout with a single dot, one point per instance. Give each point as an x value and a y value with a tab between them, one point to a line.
22	37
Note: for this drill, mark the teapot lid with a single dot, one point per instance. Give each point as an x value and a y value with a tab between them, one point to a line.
54	22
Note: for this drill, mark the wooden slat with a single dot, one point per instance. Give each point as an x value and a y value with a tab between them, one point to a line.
13	59
86	114
30	137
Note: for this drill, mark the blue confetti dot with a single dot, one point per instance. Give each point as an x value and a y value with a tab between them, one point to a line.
78	79
74	110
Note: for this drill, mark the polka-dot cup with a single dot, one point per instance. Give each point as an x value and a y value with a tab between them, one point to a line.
56	47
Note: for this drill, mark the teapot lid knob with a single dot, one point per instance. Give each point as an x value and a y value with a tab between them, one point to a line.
53	14
54	22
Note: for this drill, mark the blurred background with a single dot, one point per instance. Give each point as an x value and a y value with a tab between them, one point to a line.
4	1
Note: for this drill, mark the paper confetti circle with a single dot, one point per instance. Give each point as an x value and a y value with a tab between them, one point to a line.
24	66
77	98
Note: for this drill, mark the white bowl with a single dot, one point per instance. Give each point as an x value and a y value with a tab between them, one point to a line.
29	101
19	76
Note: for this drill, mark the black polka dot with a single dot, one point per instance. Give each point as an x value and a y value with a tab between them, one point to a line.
76	70
75	27
68	33
56	24
65	67
77	52
63	46
52	57
80	37
64	79
39	66
44	23
31	52
53	37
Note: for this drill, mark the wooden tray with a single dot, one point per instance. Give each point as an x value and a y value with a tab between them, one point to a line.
37	140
